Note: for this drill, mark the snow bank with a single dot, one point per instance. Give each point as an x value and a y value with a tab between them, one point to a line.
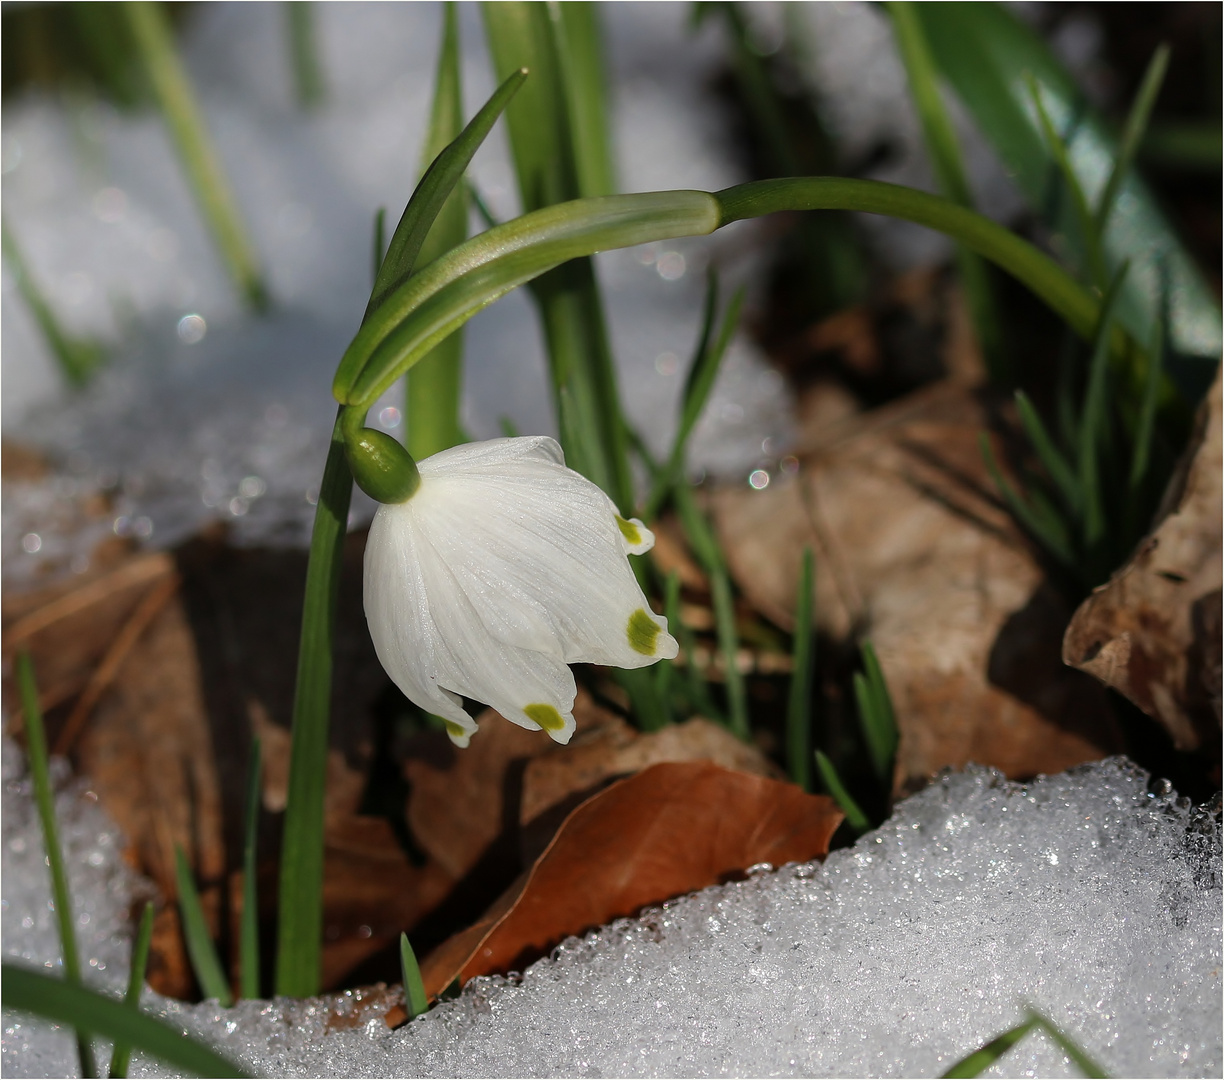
1081	894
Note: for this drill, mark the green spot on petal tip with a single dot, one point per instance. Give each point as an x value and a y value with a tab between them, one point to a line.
455	730
629	531
546	716
643	631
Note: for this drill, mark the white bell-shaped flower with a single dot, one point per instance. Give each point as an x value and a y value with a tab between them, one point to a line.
503	568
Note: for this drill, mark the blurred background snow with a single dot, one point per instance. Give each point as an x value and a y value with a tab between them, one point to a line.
206	411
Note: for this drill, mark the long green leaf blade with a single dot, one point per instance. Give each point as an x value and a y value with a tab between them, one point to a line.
190	136
1094	417
435	384
1083	1060
44	798
943	148
705	547
1051	457
547	145
415	999
985	51
121	1052
204	959
586	83
1052	534
980	1060
799	702
877	717
62	1002
248	931
1133	131
77	358
855	817
300	927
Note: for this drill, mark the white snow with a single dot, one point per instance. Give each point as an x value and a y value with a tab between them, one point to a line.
1083	895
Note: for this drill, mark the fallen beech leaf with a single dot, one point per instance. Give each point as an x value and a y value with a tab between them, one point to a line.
914	551
614	748
462	801
68	628
1153	631
669	830
149	754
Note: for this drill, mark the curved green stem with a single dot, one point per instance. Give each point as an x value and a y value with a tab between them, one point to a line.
442	296
1075	304
445	294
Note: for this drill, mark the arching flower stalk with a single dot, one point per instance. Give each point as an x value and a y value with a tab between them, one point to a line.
501	569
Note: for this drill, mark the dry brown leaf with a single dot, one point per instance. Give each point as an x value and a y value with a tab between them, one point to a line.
670	829
614	748
69	628
914	551
1153	632
149	754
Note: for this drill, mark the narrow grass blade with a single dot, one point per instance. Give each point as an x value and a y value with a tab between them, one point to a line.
705	547
121	1053
1094	416
204	959
432	192
77	358
415	1000
1083	1060
304	53
176	100
855	817
799	704
44	798
300	927
1133	132
546	148
703	372
1051	457
1089	235
1142	446
1051	534
665	670
943	149
248	930
64	1003
876	715
984	51
435	385
981	1059
696	689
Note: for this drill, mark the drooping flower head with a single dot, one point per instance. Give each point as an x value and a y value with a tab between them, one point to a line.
503	568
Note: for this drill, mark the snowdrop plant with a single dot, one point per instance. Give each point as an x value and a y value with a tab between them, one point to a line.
492	567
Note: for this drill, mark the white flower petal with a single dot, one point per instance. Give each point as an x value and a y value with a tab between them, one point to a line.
509	566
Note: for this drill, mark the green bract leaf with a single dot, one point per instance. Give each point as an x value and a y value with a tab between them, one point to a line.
60	1001
985	52
435	186
444	295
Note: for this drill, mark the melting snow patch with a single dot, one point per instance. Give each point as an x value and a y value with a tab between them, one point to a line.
1081	894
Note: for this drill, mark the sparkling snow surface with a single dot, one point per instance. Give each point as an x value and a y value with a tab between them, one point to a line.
1080	894
208	412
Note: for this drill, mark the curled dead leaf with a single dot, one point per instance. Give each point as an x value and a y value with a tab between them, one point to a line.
1153	631
914	551
669	830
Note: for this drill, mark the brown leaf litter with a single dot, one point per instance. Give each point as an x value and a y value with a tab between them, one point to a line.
1153	631
914	551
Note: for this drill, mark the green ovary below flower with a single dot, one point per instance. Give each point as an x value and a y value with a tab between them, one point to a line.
501	570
